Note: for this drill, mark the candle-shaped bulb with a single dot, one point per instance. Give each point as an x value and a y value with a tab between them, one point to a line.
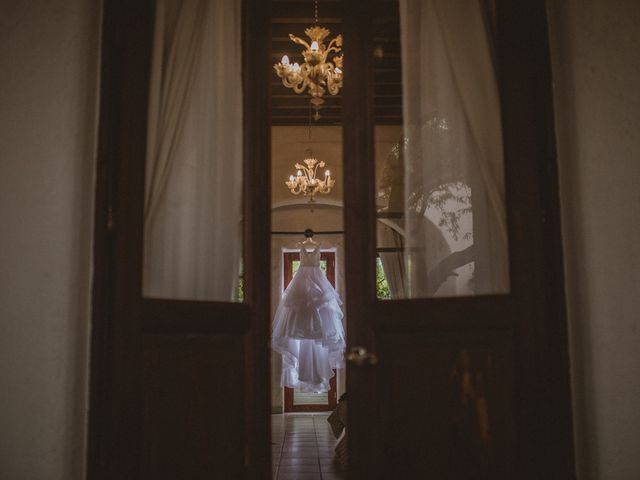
314	46
338	71
291	178
327	173
299	173
285	60
296	67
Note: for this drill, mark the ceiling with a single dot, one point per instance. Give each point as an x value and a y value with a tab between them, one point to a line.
293	16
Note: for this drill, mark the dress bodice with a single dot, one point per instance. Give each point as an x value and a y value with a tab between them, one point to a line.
310	259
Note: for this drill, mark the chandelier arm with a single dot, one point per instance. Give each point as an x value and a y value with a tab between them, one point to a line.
291	83
299	41
335	43
315	90
334	88
332	47
324	57
290	77
306	71
301	86
331	50
302	83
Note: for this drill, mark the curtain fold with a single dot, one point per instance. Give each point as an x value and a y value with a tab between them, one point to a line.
452	126
193	194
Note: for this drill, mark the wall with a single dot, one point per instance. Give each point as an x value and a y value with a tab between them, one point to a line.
596	69
49	57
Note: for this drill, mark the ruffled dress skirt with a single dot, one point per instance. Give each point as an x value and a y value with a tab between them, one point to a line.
308	331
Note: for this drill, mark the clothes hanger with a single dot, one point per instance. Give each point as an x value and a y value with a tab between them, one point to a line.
308	233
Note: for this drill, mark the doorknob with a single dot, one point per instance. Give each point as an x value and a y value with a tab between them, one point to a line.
359	356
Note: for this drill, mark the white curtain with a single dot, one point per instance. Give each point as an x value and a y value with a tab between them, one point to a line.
193	196
453	136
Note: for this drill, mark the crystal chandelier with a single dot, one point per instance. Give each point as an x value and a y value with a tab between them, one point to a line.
316	73
306	181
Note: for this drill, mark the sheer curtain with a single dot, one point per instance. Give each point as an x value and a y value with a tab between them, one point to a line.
453	156
193	196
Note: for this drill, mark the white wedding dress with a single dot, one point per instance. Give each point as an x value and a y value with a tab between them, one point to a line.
307	328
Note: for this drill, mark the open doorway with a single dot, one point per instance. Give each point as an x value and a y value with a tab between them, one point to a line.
305	127
303	441
302	438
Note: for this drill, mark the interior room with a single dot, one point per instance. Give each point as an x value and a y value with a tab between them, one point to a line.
299	429
106	375
301	130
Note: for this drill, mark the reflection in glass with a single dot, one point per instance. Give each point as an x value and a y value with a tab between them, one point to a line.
193	194
441	208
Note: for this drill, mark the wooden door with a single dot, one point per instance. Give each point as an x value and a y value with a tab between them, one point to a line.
464	387
289	395
179	388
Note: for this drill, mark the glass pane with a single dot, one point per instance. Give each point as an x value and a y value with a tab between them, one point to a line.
193	192
439	161
305	398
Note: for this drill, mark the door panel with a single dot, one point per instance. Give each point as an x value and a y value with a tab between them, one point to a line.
179	387
454	392
474	386
192	405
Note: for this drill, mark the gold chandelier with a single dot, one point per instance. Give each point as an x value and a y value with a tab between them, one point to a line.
316	73
306	181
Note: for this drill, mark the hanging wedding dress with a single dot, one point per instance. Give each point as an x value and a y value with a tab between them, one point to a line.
308	330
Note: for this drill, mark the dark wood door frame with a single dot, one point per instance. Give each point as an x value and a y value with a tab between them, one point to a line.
288	258
124	323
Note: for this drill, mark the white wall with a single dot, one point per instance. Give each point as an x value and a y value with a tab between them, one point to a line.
49	58
596	68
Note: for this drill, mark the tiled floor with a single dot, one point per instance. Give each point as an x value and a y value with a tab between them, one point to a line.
302	447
